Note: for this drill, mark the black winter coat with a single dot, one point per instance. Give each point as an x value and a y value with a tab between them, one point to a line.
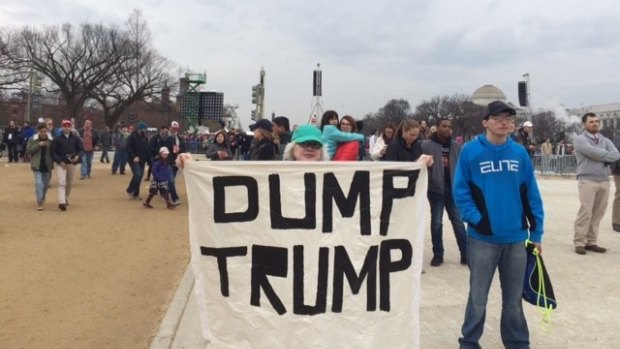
64	148
263	150
138	145
398	151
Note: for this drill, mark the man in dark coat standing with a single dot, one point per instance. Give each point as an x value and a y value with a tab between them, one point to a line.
137	154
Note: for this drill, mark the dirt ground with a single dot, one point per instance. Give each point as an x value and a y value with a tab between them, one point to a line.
99	275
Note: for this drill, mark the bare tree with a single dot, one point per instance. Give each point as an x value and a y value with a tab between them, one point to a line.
465	115
143	76
75	60
13	72
395	110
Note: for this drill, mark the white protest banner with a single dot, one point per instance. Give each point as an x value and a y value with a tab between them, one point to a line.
307	254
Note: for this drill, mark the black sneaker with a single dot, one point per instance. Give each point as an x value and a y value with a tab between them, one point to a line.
464	260
436	261
62	207
596	248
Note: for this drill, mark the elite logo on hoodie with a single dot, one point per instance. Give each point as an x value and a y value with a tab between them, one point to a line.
499	166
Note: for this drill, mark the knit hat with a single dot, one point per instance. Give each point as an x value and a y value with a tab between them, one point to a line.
164	150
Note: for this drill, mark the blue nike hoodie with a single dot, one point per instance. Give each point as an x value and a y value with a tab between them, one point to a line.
496	192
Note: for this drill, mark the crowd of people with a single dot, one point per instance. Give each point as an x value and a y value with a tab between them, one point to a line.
62	149
486	186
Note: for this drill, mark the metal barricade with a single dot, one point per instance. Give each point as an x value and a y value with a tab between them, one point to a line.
194	147
555	165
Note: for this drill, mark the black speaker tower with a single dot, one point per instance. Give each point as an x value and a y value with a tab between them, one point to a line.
523	94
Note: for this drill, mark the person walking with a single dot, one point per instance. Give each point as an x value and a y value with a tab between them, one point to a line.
41	163
594	153
25	133
119	139
137	153
11	139
66	152
496	191
89	139
106	143
51	130
159	183
445	152
178	146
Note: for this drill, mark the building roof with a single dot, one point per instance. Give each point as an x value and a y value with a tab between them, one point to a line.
487	94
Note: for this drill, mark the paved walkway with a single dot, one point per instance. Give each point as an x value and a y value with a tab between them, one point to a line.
586	288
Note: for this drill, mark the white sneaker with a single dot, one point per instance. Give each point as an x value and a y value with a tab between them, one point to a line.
176	202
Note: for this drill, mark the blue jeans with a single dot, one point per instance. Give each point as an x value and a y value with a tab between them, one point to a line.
87	162
438	202
137	169
120	160
41	184
171	183
510	260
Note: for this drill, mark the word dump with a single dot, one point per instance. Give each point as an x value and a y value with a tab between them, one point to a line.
381	261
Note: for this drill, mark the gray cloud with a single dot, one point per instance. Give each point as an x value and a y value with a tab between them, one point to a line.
371	51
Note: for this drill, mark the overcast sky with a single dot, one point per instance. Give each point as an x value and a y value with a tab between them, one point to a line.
371	51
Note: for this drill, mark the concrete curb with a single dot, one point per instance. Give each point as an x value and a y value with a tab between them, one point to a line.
170	324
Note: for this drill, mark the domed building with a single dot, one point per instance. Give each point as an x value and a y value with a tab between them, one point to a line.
487	94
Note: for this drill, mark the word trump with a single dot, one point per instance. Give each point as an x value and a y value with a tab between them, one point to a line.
269	260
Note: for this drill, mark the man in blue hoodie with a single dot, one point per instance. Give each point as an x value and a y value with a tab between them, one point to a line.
496	192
